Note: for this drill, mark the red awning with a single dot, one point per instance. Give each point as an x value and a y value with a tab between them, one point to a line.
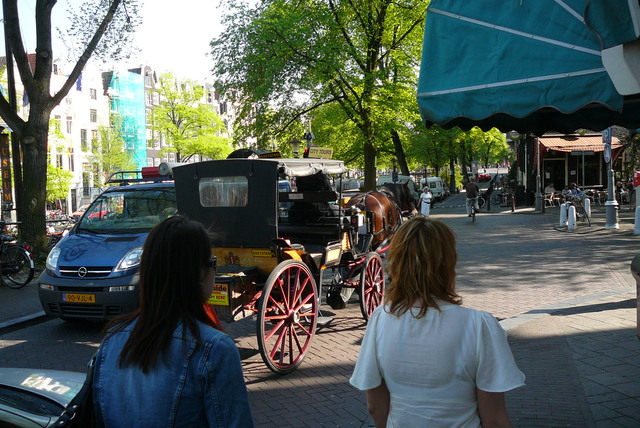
573	143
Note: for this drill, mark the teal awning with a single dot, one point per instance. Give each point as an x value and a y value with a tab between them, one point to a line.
528	65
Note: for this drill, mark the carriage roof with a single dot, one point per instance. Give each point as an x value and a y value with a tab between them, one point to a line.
251	219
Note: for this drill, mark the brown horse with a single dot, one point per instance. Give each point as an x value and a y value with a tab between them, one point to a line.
387	206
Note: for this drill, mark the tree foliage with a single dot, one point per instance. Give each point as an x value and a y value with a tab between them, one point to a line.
58	183
104	25
108	152
190	126
286	59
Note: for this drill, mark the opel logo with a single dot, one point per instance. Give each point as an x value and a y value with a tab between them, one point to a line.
82	272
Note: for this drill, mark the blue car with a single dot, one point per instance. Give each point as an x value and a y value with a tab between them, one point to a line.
93	271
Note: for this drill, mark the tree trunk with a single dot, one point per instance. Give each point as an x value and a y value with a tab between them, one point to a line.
399	150
370	172
34	149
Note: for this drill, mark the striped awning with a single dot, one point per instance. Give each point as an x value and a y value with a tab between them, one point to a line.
532	66
572	143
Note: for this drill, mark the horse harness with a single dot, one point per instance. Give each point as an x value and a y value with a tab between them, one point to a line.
385	227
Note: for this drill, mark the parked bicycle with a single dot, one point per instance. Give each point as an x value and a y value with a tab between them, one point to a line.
16	264
581	213
58	229
504	199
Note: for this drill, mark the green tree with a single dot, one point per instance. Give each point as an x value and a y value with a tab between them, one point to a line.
108	151
58	183
287	58
99	27
631	143
190	126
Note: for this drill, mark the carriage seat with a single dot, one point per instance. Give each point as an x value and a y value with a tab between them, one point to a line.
314	237
311	207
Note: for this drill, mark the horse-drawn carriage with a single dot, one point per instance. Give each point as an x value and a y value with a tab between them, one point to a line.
273	246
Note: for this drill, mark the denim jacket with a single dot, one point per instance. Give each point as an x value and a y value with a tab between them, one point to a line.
193	386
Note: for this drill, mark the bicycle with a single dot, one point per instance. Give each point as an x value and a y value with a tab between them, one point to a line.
581	213
16	263
475	206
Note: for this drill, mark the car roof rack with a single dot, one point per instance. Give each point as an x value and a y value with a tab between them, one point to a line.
145	175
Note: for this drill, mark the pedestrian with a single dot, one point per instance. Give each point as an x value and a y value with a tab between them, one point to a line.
425	202
167	364
425	359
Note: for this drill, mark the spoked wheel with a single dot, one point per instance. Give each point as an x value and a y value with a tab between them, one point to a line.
287	316
371	285
16	266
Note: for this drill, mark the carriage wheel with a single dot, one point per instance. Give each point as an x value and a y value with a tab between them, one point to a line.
287	316
371	285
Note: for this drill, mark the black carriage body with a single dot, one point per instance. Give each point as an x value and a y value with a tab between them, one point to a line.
238	201
248	217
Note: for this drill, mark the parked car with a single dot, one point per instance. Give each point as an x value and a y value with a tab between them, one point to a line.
80	211
413	187
437	188
36	398
92	272
483	177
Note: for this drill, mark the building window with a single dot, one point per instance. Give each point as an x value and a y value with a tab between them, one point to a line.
69	123
94	140
156	98
68	100
86	182
72	166
149	162
83	140
93	115
59	161
93	94
172	157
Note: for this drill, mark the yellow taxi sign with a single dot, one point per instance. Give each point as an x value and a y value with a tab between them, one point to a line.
321	152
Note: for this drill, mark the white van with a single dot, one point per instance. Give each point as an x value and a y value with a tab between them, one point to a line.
415	190
436	186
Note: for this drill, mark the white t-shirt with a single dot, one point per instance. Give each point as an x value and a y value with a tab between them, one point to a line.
433	365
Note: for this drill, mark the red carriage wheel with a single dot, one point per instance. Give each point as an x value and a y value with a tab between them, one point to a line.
371	284
287	316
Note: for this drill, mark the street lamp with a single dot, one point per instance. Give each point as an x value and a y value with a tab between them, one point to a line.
295	146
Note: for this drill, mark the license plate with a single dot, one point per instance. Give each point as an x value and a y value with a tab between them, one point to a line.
79	298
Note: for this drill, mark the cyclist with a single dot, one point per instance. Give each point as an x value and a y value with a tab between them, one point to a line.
473	191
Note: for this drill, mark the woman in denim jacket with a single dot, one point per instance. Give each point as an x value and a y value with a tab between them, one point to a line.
167	364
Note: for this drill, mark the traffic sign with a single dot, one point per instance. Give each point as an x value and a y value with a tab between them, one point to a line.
606	136
607	152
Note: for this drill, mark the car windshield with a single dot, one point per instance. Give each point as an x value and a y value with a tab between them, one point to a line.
128	211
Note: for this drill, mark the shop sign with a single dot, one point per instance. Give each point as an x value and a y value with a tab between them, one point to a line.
7	195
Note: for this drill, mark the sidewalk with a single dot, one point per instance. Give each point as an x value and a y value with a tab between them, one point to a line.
572	327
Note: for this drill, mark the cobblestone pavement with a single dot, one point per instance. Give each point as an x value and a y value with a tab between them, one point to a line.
567	300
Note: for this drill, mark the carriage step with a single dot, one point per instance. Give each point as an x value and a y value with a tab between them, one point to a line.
324	321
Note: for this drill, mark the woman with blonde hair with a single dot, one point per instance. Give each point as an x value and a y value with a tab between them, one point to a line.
425	359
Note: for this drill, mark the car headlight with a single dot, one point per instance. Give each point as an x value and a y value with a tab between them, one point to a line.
130	260
52	259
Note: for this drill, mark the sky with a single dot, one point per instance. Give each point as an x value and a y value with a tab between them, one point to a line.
174	35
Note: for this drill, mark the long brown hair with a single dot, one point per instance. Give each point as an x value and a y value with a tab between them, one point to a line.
422	266
174	257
